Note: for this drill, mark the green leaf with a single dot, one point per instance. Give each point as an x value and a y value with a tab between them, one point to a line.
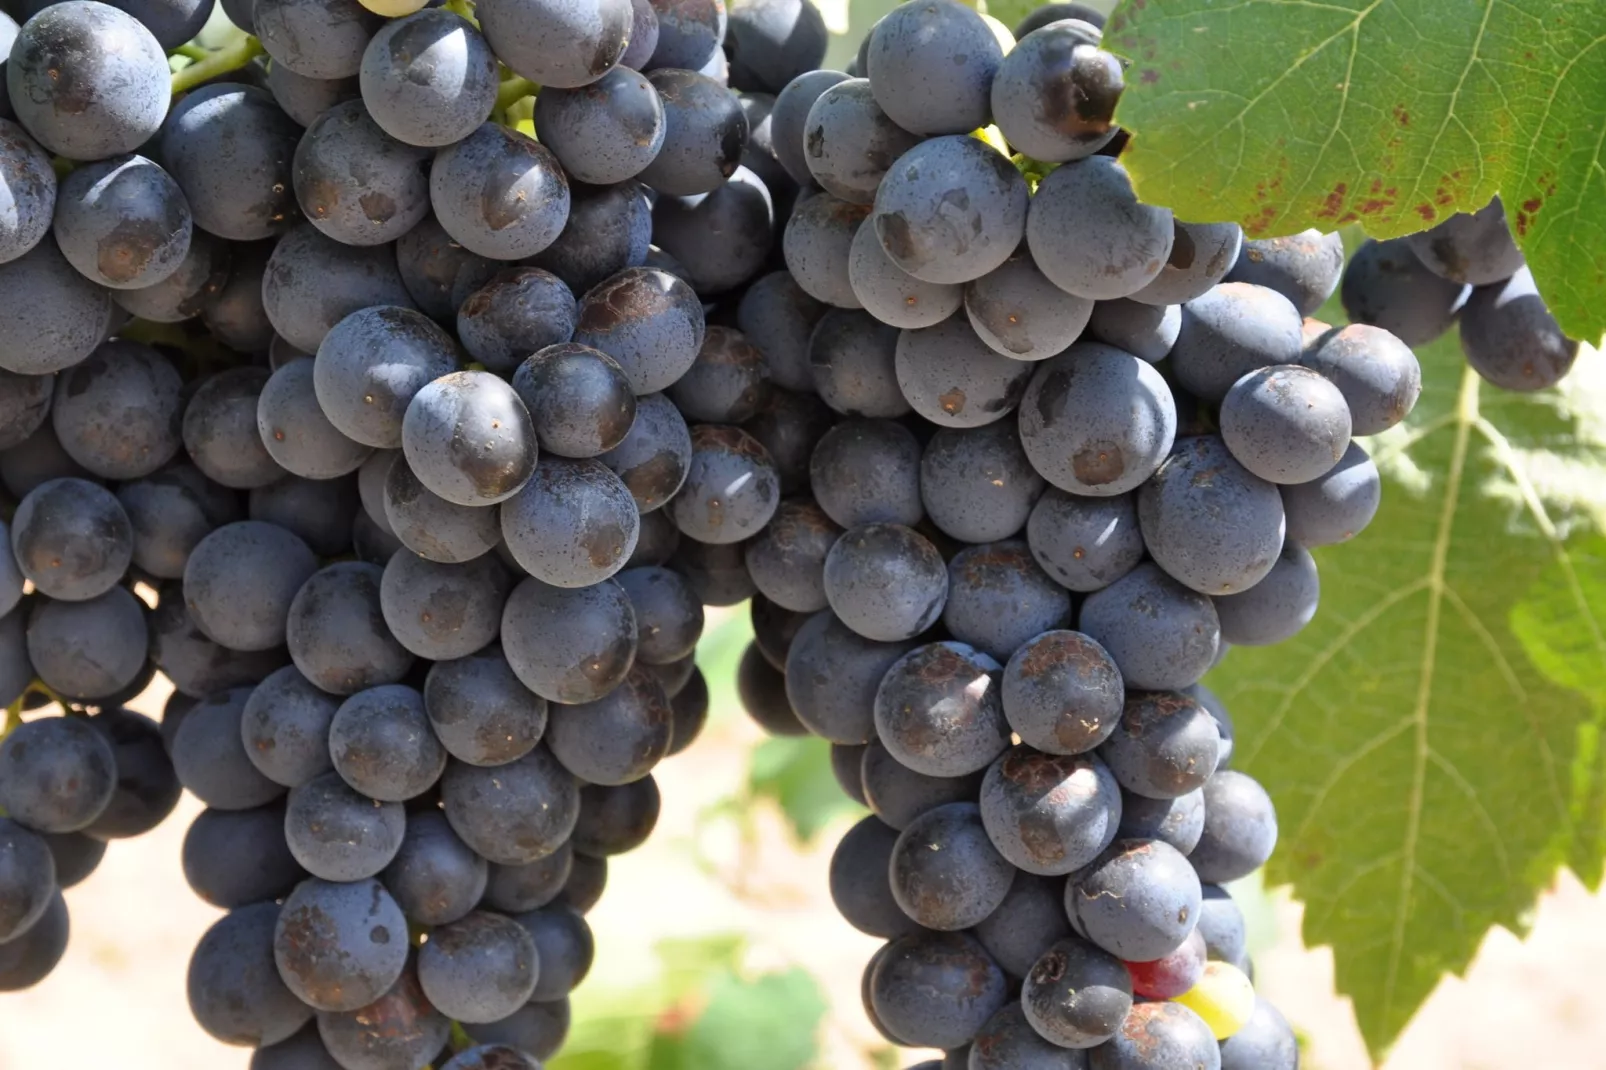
796	774
765	1024
1285	115
1432	759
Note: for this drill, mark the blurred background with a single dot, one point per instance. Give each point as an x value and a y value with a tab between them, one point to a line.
718	947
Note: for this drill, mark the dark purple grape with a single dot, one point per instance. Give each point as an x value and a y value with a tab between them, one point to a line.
518	312
1062	692
1050	814
868	471
1158	1035
998	598
655	455
727	384
1076	995
646	319
945	872
860	888
761	688
852	356
936	990
617	738
886	581
832	674
898	794
1138	901
1164	746
340	946
235	991
787	559
614	820
731	488
937	710
569	644
1031	917
515	813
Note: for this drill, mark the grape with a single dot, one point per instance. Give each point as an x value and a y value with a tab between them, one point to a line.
952	378
859	885
731	488
304	1051
429	78
1159	633
647	320
315	39
1386	286
336	631
1049	814
1222	925
1278	606
237	314
1475	247
437	272
892	295
516	212
938	235
240	581
998	598
789	118
715	571
705	131
847	761
1091	237
8	35
1097	421
1510	338
371	366
1201	256
27	875
146	789
573	524
122	222
356	183
468	438
1286	423
27	960
1062	693
787	559
480	968
536	1029
235	857
54	316
434	877
761	689
338	834
27	192
492	1057
1303	267
771	42
519	311
383	746
194	662
1165	745
1178	822
516	889
90	649
1224	998
569	645
689	33
400	1028
229	147
932	66
898	794
1146	331
817	246
557	44
480	710
936	989
1158	1035
1240	828
1377	373
1213	705
1337	506
87	81
669	619
937	710
1085	543
617	738
76	854
944	870
210	759
778	317
1138	901
1009	1042
849	142
689	705
1264	1042
1076	995
655	455
220	429
313	283
565	947
303	99
606	132
234	988
514	813
1218	533
24	406
790	425
11	585
1234	329
1173	975
295	431
1055	93
852	357
728	382
614	820
1031	917
722	237
285	727
1020	314
885	581
832	675
71	539
609	229
433	527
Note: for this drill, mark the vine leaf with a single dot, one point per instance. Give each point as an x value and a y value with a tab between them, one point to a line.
1432	739
1287	114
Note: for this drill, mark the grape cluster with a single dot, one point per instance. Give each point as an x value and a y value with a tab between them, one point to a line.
405	422
1080	448
1465	271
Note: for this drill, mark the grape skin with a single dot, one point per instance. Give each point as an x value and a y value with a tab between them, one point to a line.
853	359
722	237
400	1028
886	581
892	295
519	312
1049	814
1020	314
932	67
1089	234
1202	254
654	456
607	132
1385	285
952	378
1062	692
71	538
1338	505
303	99
998	598
817	246
1077	995
433	527
54	316
1286	424
609	229
614	820
1085	543
977	485
778	317
1277	607
555	43
1055	93
647	320
336	631
122	222
618	738
1164	746
1510	338
355	182
1146	331
230	149
383	746
705	131
240	582
480	711
1235	329
480	968
118	412
1304	267
27	190
428	79
859	886
1171	647
297	433
313	282
27	876
285	726
315	38
338	834
936	990
232	858
789	117
468	438
849	142
235	991
514	213
1155	1034
372	364
1470	247
926	232
1240	828
569	644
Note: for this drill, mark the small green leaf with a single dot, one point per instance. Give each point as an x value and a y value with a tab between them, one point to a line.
766	1024
1396	113
796	774
1431	770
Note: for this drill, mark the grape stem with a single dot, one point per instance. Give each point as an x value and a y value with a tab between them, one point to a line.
222	61
13	716
195	52
514	90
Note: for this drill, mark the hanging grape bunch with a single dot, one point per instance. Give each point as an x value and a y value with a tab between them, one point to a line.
385	432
